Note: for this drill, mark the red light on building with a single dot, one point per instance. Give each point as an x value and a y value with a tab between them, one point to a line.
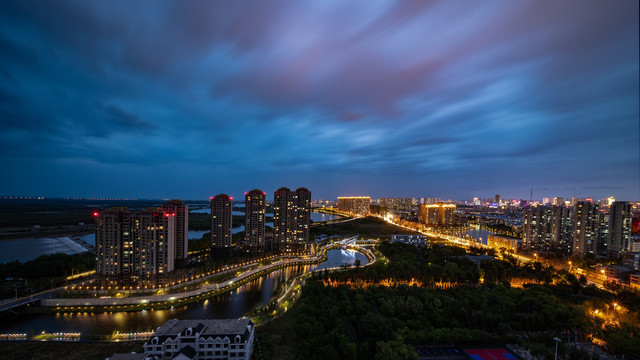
95	214
230	198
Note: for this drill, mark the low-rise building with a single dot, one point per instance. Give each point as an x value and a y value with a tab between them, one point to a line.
199	340
618	273
634	281
409	239
501	242
632	260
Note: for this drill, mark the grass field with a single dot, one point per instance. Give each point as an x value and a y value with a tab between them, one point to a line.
370	227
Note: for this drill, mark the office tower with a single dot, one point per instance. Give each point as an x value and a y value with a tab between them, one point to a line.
135	249
357	205
181	211
155	246
438	214
291	219
114	247
254	216
221	223
558	201
497	199
619	239
585	231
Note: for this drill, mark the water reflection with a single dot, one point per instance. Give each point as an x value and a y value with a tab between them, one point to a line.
233	304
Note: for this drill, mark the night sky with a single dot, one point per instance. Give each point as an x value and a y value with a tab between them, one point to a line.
449	99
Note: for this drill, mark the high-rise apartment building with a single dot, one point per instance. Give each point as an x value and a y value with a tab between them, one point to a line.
181	211
155	241
619	237
357	205
585	228
254	217
548	228
221	223
135	249
438	214
291	219
114	247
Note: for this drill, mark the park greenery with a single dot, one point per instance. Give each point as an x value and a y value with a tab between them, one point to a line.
368	227
438	296
41	273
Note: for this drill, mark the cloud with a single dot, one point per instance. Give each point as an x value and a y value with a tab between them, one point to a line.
432	90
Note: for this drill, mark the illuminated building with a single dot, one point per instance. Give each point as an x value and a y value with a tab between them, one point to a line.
114	246
412	239
357	205
619	237
135	249
254	216
497	199
438	214
155	239
291	219
500	242
586	229
181	211
221	223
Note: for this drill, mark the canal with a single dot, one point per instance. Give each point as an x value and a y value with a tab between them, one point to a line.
234	304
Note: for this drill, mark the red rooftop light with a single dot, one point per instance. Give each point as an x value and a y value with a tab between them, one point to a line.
95	214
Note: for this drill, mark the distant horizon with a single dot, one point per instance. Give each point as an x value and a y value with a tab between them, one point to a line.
240	198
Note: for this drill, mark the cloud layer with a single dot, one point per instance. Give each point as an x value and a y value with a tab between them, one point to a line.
447	99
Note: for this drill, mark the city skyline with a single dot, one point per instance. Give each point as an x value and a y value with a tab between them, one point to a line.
438	99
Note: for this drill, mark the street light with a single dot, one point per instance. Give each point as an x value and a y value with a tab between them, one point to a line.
557	341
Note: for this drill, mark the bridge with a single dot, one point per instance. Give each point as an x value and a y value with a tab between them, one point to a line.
9	305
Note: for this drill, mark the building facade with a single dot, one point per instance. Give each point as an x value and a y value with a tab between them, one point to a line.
500	242
291	219
356	205
586	230
440	214
619	235
181	211
254	217
199	340
135	249
221	224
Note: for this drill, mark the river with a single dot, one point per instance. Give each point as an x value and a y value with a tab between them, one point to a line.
234	304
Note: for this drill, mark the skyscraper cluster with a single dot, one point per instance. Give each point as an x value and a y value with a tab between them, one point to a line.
582	229
140	249
291	221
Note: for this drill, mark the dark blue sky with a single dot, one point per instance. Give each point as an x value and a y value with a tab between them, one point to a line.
450	99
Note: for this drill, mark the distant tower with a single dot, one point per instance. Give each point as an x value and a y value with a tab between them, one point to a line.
254	217
181	211
619	237
221	223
